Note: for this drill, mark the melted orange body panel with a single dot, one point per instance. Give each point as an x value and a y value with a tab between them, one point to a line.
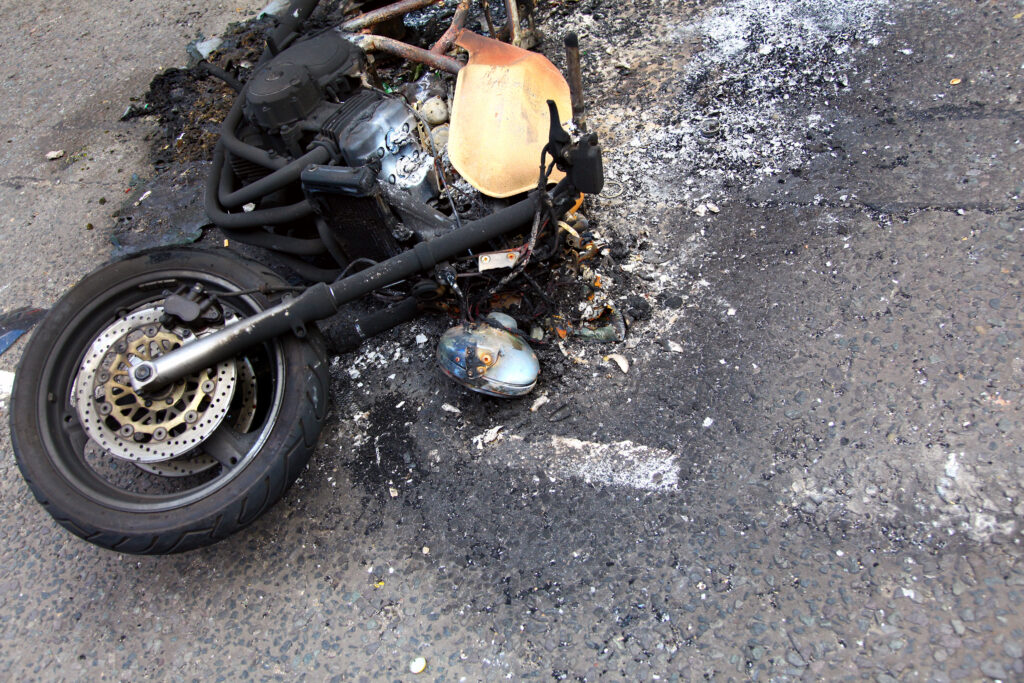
499	121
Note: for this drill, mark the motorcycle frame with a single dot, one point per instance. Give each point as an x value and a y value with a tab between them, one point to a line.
323	300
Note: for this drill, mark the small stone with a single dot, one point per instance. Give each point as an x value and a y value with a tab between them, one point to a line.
794	658
993	669
712	207
449	408
707	422
54	155
701	210
421	339
1013	649
418	665
958	627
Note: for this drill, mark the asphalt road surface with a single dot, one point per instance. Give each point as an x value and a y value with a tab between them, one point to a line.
812	468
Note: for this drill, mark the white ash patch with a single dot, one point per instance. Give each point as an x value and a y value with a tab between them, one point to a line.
753	69
372	356
757	55
6	383
742	63
741	26
946	491
619	463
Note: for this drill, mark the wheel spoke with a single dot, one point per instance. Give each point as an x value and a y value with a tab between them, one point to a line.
228	447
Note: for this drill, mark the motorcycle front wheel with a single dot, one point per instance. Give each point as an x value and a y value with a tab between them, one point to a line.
184	467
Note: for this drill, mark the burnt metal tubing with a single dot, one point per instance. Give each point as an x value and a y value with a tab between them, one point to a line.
323	300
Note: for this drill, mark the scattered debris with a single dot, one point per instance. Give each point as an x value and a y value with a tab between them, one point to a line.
708	422
164	211
541	400
15	323
449	408
619	360
490	436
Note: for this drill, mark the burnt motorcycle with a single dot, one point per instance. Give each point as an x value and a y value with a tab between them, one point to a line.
169	399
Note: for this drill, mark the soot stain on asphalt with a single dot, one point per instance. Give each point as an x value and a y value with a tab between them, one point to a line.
390	460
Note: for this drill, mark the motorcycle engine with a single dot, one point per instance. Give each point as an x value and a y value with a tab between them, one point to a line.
311	92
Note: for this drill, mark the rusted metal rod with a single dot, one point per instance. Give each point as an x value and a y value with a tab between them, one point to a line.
458	21
575	78
514	28
374	43
382	14
487	17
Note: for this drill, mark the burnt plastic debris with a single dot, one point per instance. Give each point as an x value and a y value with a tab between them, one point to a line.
487	358
15	323
165	211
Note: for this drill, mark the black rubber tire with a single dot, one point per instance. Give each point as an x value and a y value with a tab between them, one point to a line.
45	451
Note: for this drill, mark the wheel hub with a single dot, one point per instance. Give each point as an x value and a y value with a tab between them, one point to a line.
149	430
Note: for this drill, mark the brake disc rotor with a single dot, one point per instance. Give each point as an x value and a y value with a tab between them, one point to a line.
245	400
150	429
